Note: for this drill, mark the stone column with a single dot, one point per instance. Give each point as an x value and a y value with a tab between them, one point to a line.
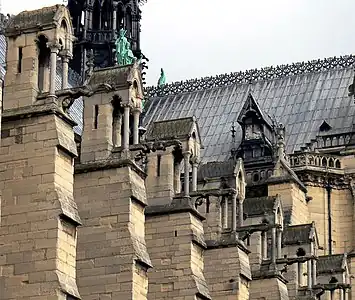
273	245
194	174
279	243
136	114
125	143
116	128
331	295
54	47
264	244
314	271
241	213
225	213
234	212
114	16
65	55
187	173
309	274
341	294
299	273
346	294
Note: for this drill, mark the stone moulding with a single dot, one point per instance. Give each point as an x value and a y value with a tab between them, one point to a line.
36	111
176	206
108	164
250	76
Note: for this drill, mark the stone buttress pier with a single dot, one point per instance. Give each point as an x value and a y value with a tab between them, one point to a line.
39	218
109	189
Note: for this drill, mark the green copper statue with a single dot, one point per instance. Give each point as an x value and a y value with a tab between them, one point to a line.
130	58
124	54
162	78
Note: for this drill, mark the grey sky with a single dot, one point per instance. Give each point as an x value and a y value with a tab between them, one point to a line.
198	38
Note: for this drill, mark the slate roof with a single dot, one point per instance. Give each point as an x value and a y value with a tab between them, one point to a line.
216	169
301	96
297	234
3	46
259	206
170	129
330	263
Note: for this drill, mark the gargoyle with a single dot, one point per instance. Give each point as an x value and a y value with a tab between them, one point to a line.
67	97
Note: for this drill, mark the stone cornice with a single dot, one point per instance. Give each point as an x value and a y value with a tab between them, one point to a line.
106	164
36	111
286	179
178	205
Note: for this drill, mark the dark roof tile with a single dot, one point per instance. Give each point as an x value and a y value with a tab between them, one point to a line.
114	76
170	129
33	19
297	234
301	96
216	169
330	263
259	206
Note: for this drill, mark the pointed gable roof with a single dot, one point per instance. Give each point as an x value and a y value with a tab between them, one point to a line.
250	105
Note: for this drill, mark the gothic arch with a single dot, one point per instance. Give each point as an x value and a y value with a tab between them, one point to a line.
43	53
120	15
96	15
128	21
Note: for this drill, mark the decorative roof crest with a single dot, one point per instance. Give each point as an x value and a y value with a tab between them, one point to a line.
251	76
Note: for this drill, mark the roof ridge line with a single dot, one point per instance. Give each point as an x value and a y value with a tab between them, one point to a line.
251	75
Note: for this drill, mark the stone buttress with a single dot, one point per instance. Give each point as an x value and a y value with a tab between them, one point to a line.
109	189
175	236
39	218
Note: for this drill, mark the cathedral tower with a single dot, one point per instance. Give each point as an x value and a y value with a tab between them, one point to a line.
96	25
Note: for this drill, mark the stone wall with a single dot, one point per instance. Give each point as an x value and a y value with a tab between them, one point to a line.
39	216
176	245
293	201
112	258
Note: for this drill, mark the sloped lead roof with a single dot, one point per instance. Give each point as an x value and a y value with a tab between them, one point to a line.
34	18
170	129
301	96
297	234
330	263
260	206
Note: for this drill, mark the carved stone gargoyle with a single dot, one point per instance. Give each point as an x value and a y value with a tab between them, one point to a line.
67	97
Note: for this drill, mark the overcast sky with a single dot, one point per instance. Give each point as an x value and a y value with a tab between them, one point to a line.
198	38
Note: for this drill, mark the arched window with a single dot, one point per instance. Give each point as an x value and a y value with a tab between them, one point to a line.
43	63
64	28
337	164
106	15
128	23
96	15
324	162
331	163
116	122
120	16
